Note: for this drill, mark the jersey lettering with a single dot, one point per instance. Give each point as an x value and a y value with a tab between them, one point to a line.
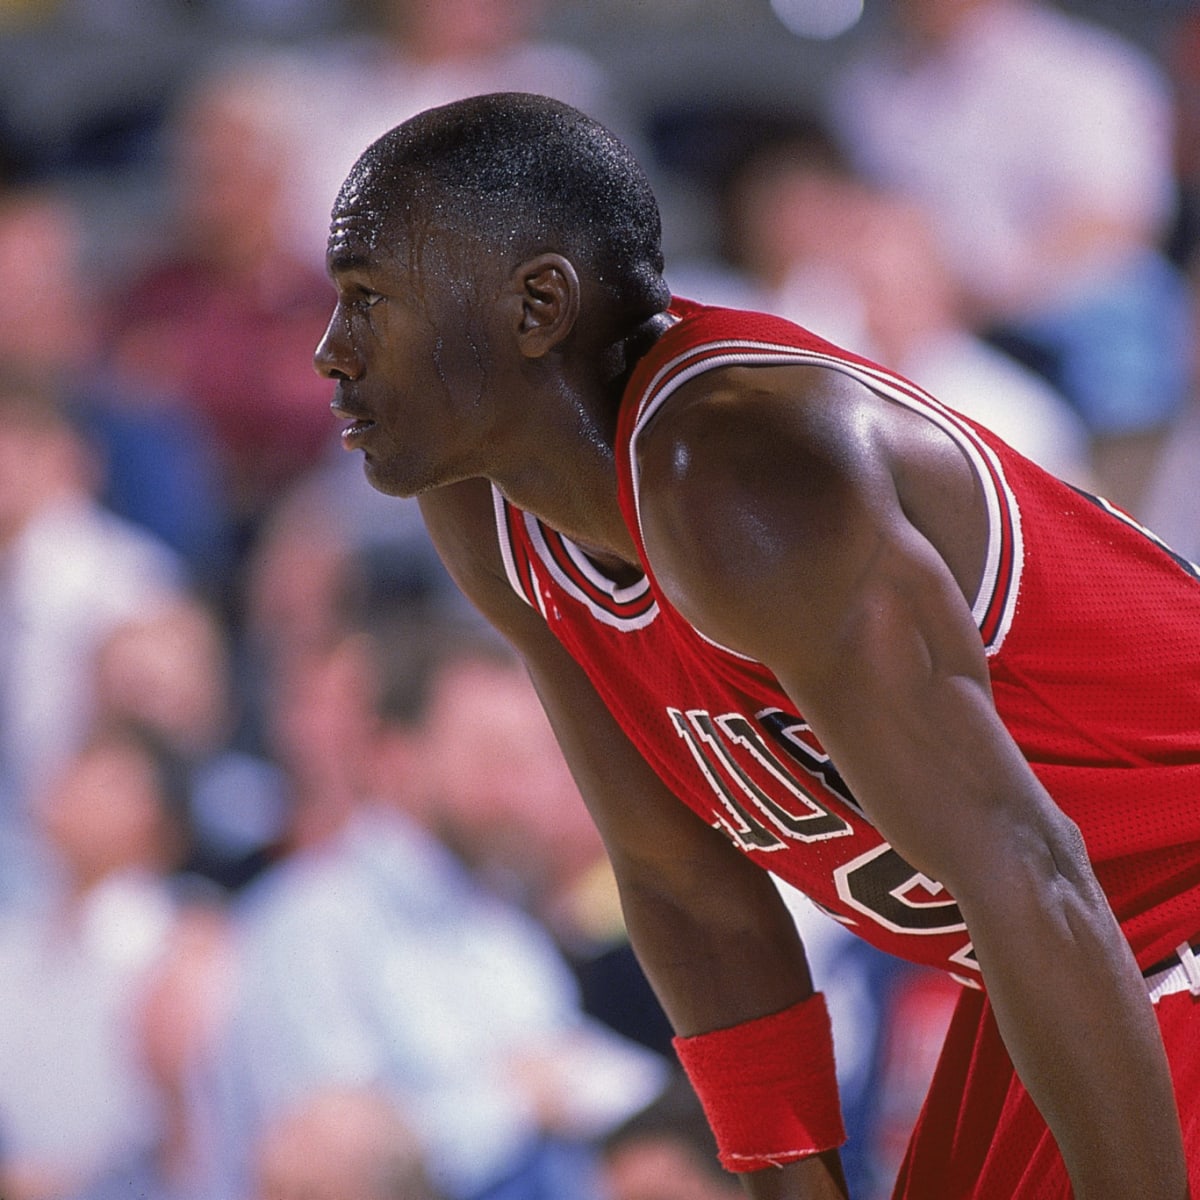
882	886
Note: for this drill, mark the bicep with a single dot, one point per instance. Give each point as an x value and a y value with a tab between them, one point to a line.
792	544
901	700
900	697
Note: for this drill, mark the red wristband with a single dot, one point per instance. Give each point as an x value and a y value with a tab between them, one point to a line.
768	1086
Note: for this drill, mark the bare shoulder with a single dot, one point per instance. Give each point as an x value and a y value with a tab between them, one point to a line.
746	473
779	488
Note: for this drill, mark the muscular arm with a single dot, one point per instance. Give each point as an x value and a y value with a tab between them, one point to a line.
795	543
708	926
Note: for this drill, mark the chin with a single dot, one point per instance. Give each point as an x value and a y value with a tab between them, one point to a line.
393	481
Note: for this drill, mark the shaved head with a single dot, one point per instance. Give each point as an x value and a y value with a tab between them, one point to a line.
521	175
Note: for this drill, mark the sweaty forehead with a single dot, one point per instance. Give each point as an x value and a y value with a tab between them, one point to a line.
374	222
363	223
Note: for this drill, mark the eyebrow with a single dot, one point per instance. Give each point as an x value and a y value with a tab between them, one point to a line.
344	261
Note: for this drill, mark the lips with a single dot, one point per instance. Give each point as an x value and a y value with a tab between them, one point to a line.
355	432
358	427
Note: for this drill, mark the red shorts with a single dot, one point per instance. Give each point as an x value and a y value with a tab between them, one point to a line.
979	1136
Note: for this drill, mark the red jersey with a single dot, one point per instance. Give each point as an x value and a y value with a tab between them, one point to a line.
1091	628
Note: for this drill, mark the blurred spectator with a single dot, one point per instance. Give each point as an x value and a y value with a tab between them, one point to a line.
337	1143
667	1152
412	55
371	956
72	572
1172	503
385	535
861	266
172	671
227	317
1181	50
1042	146
525	830
527	833
328	541
154	457
329	545
302	585
80	1105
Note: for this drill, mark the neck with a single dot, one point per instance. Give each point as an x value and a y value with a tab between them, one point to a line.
571	485
570	481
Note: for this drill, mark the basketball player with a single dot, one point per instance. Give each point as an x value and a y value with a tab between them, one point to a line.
787	611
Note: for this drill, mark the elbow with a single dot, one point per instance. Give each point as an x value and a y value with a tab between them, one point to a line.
1036	887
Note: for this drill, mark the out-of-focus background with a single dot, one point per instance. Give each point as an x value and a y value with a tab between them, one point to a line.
296	896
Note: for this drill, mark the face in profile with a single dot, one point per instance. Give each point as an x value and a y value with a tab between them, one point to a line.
411	348
168	671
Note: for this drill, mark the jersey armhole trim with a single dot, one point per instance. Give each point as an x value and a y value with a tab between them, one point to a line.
994	604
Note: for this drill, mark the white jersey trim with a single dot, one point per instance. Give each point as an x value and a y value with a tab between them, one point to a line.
618	595
499	509
634	595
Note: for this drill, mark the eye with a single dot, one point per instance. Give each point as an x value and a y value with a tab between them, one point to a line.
369	299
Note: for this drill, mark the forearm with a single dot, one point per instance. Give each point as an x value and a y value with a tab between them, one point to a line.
718	948
728	965
1069	1001
759	1050
1075	1016
716	941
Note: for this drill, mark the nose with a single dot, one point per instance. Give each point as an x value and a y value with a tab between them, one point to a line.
334	358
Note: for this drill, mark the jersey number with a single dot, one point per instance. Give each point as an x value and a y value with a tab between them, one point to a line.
731	750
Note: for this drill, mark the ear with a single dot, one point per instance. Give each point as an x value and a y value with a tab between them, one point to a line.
547	288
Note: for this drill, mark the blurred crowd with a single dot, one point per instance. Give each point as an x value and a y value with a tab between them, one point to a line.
297	898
